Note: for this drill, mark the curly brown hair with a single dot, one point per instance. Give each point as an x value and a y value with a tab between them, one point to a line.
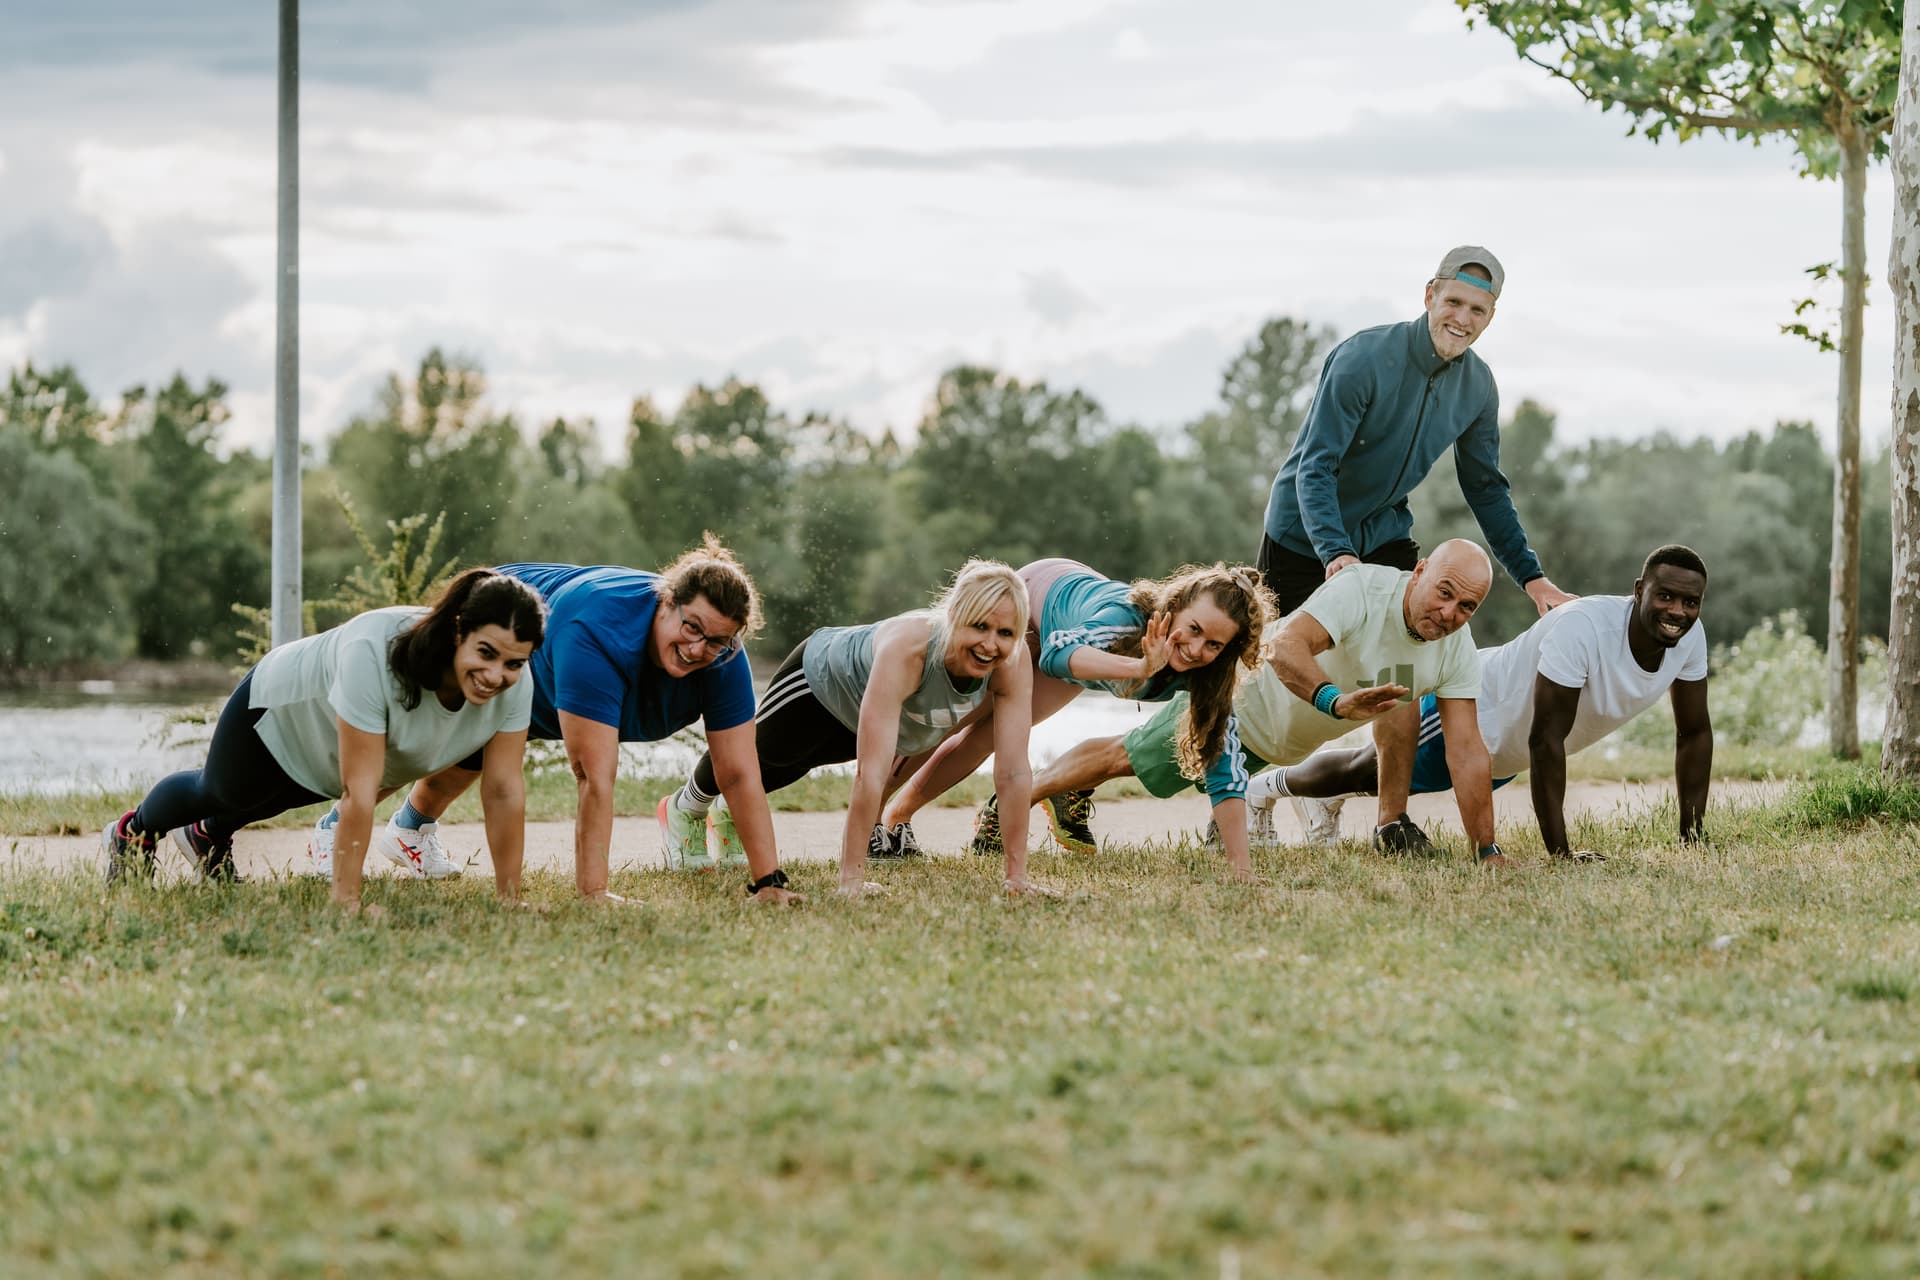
712	571
1241	593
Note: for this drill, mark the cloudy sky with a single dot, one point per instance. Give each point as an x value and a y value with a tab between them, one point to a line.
840	198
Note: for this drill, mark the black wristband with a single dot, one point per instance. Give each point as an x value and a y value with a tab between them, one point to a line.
774	879
1492	851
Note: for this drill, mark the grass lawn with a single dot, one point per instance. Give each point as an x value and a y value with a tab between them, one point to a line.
1696	1061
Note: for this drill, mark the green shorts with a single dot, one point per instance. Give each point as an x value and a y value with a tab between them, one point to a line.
1150	751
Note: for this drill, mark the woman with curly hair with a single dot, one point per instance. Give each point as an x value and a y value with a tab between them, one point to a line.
1147	641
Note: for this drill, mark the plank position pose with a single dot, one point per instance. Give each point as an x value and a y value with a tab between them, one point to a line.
354	714
630	656
1390	401
884	695
1145	641
1359	646
1558	687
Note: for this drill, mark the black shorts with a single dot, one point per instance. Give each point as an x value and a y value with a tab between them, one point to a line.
1293	577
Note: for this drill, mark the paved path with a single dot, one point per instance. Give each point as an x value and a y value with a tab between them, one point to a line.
815	837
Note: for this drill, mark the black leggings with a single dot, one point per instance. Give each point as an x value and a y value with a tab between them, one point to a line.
1293	577
240	783
793	735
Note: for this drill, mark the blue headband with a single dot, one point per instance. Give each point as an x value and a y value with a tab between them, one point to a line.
1475	281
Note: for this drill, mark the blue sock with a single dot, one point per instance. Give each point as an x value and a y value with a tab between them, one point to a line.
333	816
410	817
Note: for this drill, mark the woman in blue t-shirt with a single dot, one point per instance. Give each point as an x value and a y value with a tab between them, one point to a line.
631	656
355	713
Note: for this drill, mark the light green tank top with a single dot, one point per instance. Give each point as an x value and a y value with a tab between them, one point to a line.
839	661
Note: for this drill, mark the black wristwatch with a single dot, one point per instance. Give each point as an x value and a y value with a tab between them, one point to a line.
1492	851
774	879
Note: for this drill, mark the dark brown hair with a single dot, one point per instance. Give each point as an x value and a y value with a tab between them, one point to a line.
1241	593
712	571
420	655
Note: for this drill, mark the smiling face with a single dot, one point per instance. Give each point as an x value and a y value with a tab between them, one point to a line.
975	648
1457	313
1201	632
681	647
1667	602
486	663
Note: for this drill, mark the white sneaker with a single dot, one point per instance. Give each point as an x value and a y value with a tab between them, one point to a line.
319	859
1320	818
417	852
1260	833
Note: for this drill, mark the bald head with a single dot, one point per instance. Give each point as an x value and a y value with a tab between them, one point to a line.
1447	587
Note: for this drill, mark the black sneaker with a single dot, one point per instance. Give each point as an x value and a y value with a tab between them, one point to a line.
127	855
1071	817
905	843
986	830
1402	836
213	859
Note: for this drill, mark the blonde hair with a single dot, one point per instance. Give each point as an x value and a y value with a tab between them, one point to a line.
977	591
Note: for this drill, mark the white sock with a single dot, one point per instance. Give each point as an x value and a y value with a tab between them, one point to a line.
1266	788
690	799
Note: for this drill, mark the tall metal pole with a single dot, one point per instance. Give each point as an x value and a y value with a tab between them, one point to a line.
286	375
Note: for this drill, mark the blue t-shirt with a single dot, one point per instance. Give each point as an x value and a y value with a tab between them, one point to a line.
594	662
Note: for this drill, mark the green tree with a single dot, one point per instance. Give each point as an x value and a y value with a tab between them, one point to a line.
53	410
431	445
1264	394
203	558
73	558
1823	73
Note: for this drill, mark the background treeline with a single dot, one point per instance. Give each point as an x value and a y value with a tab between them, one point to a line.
129	530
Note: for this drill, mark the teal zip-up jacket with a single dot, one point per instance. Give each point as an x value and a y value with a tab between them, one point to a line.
1386	408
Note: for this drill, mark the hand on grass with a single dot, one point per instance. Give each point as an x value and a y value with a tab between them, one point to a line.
1580	855
861	889
1024	888
773	895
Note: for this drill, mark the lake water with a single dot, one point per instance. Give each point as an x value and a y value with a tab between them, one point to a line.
102	737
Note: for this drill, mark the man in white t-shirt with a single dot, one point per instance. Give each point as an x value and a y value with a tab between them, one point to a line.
1569	680
1387	635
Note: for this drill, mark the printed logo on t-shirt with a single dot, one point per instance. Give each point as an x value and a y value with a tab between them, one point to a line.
1400	673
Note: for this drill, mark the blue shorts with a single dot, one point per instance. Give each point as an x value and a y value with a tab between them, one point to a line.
1430	771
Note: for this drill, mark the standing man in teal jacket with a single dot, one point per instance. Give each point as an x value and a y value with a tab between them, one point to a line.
1391	400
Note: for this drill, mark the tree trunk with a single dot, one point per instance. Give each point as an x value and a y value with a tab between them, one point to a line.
1902	754
1843	607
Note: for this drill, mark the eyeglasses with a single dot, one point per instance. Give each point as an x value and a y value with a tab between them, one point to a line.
693	633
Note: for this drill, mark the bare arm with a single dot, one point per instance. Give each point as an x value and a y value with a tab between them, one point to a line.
503	803
899	649
736	767
1089	663
1554	707
1230	817
1011	689
1467	762
593	753
1293	658
363	757
1692	754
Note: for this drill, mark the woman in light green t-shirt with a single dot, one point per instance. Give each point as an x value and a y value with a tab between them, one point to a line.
356	713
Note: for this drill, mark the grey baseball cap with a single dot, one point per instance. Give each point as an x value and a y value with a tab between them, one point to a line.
1459	257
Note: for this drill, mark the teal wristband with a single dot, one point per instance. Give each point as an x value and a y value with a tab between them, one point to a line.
1325	697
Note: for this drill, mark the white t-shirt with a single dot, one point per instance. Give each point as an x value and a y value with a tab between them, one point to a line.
311	685
1580	645
1362	608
